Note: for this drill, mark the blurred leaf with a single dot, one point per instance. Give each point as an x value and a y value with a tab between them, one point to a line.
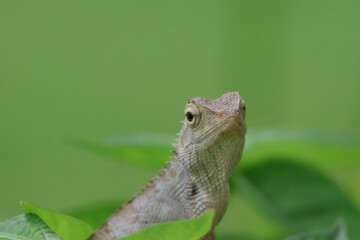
335	154
26	227
240	237
339	154
314	148
142	150
303	198
276	135
190	229
154	150
244	217
65	226
95	215
337	232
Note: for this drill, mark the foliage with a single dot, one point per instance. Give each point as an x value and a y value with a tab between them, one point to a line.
63	225
289	185
336	232
42	224
192	229
26	226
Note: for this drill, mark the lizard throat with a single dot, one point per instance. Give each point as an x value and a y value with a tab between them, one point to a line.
214	163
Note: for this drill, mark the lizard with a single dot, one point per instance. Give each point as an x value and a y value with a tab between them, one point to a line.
208	148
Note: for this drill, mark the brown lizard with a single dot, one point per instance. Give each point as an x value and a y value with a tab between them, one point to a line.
208	148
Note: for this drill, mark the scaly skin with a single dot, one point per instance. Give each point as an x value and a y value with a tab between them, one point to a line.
209	147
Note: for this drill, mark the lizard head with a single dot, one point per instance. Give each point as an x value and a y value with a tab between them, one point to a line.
214	127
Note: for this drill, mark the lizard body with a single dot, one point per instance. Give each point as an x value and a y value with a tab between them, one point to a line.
208	148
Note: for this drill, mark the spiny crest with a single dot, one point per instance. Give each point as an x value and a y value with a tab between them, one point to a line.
229	103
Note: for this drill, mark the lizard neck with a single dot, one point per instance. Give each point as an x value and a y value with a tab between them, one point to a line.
211	163
205	172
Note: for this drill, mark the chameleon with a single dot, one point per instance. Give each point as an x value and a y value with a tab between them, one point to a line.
195	180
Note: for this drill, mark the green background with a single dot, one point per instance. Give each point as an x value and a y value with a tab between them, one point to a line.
92	69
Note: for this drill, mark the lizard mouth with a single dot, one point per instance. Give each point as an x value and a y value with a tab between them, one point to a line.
235	123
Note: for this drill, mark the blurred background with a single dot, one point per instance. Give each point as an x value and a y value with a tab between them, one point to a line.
93	70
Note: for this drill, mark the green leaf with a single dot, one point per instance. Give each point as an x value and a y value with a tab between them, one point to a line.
26	227
190	229
303	198
141	150
63	225
337	232
337	155
243	219
313	148
95	214
153	150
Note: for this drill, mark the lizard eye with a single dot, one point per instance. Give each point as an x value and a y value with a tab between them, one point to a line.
189	116
192	116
